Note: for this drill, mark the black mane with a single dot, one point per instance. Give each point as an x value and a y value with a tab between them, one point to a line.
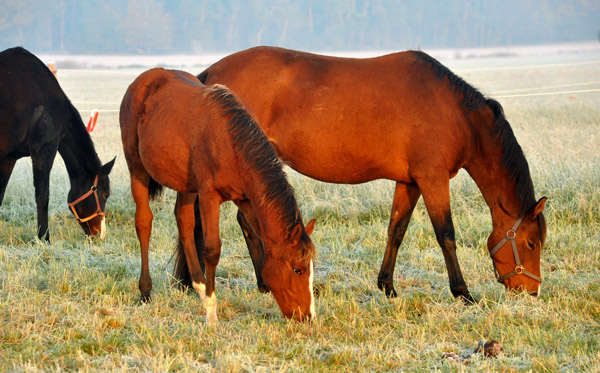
254	147
513	158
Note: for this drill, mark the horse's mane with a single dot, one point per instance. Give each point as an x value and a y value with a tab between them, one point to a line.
254	148
513	158
83	138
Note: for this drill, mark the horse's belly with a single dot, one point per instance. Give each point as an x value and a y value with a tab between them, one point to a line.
346	167
336	153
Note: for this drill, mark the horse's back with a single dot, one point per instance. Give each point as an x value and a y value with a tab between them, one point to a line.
28	91
344	120
23	75
167	123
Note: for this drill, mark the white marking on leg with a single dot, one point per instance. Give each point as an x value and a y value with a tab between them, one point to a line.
200	288
313	314
102	228
539	290
210	304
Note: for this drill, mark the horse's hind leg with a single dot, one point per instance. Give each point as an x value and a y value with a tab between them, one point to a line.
198	235
436	193
255	246
184	213
143	228
6	168
405	199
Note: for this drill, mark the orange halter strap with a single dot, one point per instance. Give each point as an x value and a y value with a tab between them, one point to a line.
93	190
519	269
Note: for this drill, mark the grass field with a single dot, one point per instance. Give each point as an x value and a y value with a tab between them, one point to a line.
73	304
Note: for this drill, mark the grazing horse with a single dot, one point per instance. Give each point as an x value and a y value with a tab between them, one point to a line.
37	120
403	117
201	142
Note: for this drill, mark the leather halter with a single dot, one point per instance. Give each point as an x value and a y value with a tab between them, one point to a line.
519	269
93	190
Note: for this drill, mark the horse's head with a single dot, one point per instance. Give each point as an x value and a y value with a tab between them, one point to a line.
289	276
87	201
515	248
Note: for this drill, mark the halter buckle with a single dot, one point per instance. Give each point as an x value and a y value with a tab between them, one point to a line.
511	234
519	269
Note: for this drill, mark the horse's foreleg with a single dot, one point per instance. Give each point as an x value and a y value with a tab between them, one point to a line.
405	199
209	210
436	193
184	213
143	228
42	162
6	168
254	243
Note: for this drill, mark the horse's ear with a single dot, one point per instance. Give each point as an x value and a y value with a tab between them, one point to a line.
105	169
310	226
295	234
539	206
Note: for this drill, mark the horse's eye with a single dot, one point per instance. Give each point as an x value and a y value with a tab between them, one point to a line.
297	271
530	244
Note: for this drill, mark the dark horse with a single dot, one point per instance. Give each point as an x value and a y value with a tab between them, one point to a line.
403	117
201	142
37	120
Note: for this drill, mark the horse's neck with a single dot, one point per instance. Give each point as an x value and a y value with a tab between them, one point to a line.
494	182
274	220
77	150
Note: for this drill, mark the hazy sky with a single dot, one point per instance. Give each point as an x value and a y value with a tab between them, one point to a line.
198	26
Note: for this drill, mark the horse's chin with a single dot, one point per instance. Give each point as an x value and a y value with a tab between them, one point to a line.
95	232
531	290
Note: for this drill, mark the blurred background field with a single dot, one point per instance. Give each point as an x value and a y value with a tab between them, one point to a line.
73	304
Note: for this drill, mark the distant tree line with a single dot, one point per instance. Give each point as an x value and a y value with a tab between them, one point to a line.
194	26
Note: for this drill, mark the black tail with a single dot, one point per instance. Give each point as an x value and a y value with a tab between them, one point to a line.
154	189
181	272
202	76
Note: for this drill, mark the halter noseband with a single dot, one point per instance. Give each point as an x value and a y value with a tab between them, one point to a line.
93	190
519	269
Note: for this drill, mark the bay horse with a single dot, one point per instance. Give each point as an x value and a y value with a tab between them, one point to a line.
38	120
403	117
202	142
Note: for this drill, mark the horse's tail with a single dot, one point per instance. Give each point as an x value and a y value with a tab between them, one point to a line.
181	272
203	76
154	189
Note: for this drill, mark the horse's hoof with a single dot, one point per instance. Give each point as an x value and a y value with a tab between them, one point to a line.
263	288
468	299
212	319
388	289
145	299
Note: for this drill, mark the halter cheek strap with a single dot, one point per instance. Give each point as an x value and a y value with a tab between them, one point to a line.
519	269
93	190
